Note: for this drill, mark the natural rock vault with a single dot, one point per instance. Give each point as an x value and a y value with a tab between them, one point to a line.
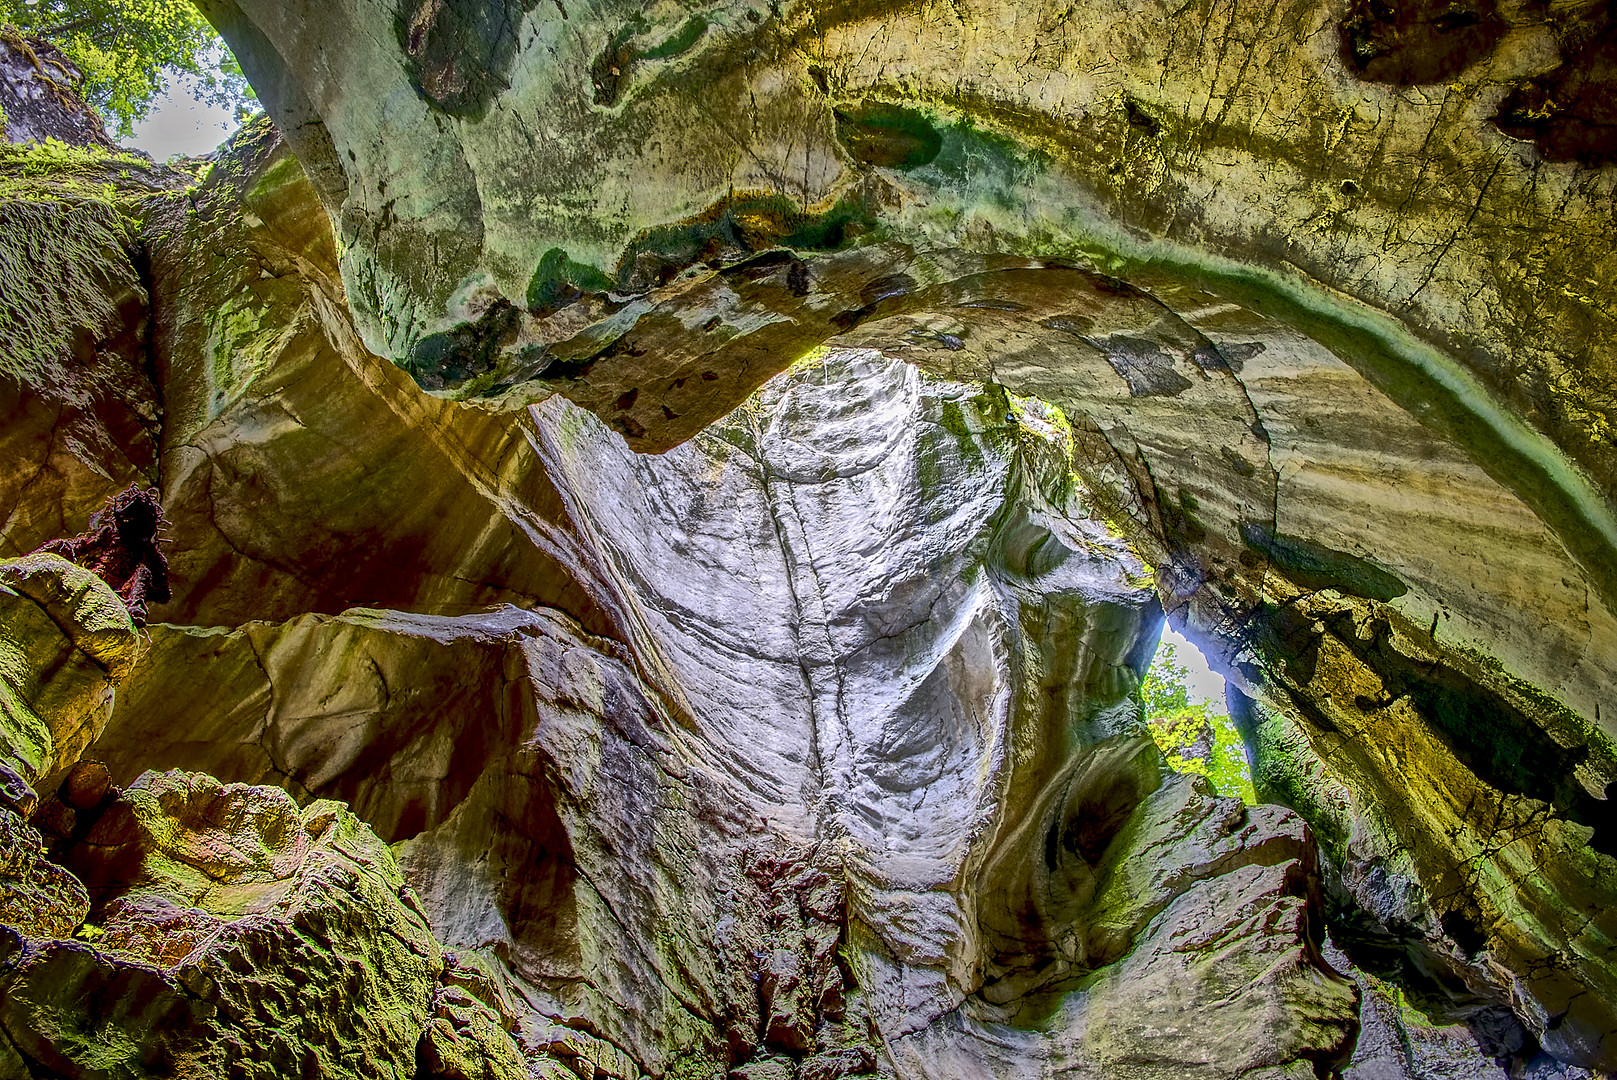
478	740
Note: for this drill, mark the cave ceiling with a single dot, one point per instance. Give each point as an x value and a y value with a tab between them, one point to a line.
1324	292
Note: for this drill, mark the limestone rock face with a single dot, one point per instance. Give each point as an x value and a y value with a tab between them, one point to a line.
65	638
806	747
78	412
1360	359
181	926
605	150
829	831
808	734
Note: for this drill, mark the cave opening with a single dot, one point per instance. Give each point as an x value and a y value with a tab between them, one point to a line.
1185	711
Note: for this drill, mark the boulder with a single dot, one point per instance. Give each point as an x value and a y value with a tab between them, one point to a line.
231	932
65	639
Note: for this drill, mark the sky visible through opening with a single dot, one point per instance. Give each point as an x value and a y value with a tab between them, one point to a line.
1203	682
180	124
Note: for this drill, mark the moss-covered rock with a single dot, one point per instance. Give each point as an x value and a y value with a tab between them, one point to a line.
65	639
236	935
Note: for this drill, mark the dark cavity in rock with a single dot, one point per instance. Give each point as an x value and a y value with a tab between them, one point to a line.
742	230
888	136
120	547
454	356
1418	41
459	52
1144	365
1571	113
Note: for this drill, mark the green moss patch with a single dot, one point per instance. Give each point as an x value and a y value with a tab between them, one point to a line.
64	230
681	41
888	136
558	280
737	228
609	71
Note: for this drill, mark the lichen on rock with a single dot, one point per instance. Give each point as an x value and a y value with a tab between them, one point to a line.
65	637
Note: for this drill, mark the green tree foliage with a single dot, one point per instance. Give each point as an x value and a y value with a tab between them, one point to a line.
1165	689
130	50
1192	735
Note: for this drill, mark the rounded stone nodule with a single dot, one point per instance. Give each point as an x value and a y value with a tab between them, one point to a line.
86	785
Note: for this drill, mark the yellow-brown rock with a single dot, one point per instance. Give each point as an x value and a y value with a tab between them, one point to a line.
65	639
810	746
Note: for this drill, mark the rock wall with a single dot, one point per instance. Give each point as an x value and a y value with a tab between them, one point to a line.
1357	367
807	746
838	756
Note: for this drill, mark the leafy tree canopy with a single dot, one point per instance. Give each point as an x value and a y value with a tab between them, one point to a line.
1164	689
1194	737
130	50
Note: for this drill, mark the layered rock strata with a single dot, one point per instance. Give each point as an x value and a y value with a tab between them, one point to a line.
604	159
848	758
1359	355
827	794
806	747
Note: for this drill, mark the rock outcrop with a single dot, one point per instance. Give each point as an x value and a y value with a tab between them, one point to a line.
1360	362
235	935
838	755
79	414
65	638
39	97
843	781
184	927
1297	151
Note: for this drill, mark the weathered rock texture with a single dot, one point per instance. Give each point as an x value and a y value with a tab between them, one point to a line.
182	927
78	411
65	638
1354	400
868	753
539	153
806	748
39	96
837	754
238	936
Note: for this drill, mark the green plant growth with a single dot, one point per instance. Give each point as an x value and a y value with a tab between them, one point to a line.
128	51
63	260
1192	735
688	34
